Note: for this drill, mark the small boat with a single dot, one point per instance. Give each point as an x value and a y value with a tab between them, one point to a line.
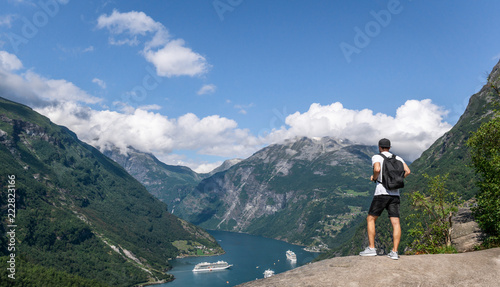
290	255
268	273
206	266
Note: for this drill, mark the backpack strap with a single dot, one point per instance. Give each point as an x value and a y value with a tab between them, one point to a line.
393	156
383	156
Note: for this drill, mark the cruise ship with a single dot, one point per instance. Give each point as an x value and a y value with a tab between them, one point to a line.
206	266
290	255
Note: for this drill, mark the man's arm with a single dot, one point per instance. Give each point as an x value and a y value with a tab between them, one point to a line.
376	171
407	170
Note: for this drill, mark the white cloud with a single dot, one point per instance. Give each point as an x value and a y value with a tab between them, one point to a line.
99	82
176	60
75	51
88	49
415	127
9	62
242	109
207	167
133	23
199	166
207	89
6	20
170	57
150	107
152	132
58	90
34	90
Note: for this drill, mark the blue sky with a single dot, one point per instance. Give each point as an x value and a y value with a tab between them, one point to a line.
197	82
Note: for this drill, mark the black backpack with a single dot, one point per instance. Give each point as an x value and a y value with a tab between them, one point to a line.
393	173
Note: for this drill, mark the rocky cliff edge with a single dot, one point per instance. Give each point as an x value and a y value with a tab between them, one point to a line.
480	268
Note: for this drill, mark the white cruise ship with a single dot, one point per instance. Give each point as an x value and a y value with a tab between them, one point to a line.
268	273
206	266
290	255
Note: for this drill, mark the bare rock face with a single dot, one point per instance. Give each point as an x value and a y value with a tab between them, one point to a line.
480	268
466	234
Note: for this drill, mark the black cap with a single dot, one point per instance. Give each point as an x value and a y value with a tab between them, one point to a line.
384	143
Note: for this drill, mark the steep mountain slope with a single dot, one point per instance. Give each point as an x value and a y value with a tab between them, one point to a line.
304	191
166	182
78	211
449	153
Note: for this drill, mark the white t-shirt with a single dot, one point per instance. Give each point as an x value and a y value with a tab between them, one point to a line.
380	189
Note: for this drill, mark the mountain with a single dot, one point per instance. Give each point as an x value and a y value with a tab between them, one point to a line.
78	214
227	164
306	191
168	183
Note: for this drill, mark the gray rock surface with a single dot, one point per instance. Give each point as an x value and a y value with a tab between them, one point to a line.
466	234
480	268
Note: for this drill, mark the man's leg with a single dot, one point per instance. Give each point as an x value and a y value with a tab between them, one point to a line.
396	233
370	222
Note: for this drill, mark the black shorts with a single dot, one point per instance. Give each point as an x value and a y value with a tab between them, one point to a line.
381	202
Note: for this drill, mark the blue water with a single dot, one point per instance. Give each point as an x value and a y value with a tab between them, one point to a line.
250	255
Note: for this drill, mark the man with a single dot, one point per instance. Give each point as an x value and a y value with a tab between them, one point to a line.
383	199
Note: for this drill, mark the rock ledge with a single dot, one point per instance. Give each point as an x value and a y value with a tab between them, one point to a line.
480	268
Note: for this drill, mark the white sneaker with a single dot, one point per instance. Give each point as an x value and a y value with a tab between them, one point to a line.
369	252
393	255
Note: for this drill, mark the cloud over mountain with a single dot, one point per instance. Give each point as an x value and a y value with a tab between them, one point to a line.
415	127
152	132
